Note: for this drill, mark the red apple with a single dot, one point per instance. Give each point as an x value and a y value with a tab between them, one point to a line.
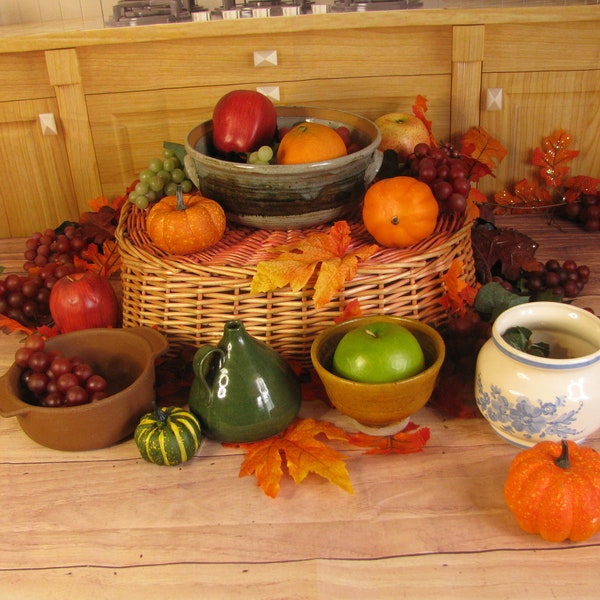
243	121
401	132
83	301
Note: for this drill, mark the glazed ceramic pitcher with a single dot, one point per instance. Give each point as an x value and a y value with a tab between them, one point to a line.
243	390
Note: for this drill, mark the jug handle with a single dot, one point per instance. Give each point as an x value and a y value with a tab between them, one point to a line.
202	364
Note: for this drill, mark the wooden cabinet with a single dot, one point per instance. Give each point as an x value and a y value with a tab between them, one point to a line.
36	188
119	94
547	82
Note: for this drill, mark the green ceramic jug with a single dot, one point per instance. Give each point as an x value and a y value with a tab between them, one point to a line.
243	390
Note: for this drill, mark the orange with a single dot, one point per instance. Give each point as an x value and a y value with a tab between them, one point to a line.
310	142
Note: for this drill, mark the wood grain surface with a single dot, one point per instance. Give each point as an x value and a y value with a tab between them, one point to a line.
105	524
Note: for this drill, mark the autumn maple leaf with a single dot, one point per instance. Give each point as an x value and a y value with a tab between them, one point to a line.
459	294
297	263
481	152
103	263
554	157
303	454
419	109
411	439
351	311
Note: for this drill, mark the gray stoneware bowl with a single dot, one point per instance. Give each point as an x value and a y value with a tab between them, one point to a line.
288	196
125	357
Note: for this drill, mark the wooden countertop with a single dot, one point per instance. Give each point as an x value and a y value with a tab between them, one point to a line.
48	36
425	525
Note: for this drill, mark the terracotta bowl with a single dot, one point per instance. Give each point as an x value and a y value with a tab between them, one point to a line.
289	196
379	405
124	357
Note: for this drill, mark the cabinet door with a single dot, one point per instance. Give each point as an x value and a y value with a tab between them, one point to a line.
536	105
36	191
129	128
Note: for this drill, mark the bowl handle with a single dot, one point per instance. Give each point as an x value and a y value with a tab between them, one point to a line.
10	405
158	342
373	168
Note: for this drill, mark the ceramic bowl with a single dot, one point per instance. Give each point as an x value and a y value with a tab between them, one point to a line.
124	357
379	405
527	399
289	196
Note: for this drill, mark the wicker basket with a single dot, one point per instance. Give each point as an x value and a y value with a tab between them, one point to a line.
189	298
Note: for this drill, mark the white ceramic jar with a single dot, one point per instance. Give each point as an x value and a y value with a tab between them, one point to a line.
526	398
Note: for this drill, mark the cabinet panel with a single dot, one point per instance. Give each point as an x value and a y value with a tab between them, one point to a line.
541	47
536	105
301	55
129	128
24	77
36	191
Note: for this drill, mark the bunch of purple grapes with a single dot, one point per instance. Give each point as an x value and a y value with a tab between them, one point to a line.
565	279
56	380
445	172
585	211
48	257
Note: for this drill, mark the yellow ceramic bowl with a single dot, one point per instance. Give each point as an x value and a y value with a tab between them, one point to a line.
379	404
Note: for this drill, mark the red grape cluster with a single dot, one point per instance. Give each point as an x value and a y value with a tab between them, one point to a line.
585	211
56	380
445	172
48	257
564	280
464	336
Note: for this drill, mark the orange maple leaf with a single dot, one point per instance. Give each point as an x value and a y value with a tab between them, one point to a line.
459	294
351	311
97	203
297	263
103	263
581	184
303	454
8	326
411	439
419	109
554	157
481	152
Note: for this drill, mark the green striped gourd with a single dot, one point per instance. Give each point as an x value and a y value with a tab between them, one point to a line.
168	436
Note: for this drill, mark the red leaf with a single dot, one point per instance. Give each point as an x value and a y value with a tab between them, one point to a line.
404	442
554	157
419	109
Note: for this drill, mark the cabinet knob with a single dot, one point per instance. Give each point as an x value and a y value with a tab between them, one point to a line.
270	91
48	124
493	99
265	58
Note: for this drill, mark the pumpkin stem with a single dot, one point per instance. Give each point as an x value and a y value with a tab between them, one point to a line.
179	196
161	415
563	460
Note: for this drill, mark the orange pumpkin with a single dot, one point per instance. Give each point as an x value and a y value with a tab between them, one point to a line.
400	211
310	142
187	224
553	489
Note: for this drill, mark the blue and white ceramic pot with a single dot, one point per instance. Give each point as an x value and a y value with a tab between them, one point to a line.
527	398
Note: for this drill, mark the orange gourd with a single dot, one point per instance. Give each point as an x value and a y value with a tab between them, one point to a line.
400	211
553	489
186	223
310	142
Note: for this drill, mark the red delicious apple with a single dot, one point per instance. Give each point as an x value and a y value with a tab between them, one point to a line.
401	132
83	301
243	121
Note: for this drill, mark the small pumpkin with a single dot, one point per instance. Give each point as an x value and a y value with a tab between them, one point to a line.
400	211
553	489
168	435
185	223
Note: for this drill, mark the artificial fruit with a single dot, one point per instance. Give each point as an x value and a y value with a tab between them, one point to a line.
401	132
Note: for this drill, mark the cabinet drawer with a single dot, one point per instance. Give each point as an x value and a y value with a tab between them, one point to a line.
129	128
301	55
24	77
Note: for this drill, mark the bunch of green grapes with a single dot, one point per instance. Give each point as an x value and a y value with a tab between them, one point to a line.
160	179
262	156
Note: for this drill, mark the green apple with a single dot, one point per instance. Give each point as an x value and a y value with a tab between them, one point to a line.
378	352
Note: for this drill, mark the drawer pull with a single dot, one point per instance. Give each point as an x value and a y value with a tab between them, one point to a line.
270	91
494	99
48	124
265	58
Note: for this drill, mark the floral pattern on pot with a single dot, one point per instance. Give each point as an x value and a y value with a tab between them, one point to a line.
527	418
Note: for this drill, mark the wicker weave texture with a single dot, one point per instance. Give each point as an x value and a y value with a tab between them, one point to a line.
191	298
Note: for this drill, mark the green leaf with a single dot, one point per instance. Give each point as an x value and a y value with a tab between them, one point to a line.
520	338
492	299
